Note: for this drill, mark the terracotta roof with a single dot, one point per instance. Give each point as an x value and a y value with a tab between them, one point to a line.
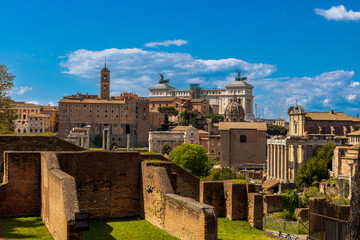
280	119
39	115
242	125
330	116
181	128
356	133
200	100
95	101
202	131
162	99
269	184
18	105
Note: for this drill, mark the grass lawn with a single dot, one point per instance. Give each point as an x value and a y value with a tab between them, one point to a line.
24	228
124	228
231	230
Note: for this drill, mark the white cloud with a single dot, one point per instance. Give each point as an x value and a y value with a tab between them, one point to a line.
310	92
351	97
51	103
134	69
195	80
355	84
33	102
176	42
339	13
21	90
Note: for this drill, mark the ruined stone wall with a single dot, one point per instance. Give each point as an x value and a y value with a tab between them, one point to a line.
212	193
107	182
153	157
186	218
180	216
255	210
59	199
272	203
183	183
236	200
20	191
33	143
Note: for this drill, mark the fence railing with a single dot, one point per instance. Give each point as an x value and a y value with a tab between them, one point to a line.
286	226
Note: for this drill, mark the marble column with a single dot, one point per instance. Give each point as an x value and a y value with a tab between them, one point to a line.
268	160
281	163
103	139
278	161
273	160
286	163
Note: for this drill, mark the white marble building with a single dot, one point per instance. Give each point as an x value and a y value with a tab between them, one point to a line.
219	97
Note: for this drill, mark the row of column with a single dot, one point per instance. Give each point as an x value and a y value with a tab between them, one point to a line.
283	161
278	162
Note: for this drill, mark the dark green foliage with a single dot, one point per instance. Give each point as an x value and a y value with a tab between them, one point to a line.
290	200
214	117
97	141
7	110
223	174
189	117
192	157
276	130
317	167
167	111
166	149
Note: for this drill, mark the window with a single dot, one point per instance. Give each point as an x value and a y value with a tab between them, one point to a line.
243	138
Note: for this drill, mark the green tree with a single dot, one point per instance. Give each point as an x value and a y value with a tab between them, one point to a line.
97	141
7	110
189	117
276	130
167	111
317	167
192	157
290	200
214	117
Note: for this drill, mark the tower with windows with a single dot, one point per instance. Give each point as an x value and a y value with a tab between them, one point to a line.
105	83
297	121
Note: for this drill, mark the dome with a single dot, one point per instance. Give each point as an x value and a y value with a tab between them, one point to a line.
234	107
234	111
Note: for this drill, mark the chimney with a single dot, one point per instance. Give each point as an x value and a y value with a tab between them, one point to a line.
332	111
357	115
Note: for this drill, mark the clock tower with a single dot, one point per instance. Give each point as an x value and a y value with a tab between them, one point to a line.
105	83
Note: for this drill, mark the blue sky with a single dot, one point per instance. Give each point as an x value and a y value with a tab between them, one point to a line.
306	50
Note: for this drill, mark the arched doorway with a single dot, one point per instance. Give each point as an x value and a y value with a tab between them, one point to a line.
127	129
166	150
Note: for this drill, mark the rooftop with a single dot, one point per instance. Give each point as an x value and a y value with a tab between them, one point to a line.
330	116
242	125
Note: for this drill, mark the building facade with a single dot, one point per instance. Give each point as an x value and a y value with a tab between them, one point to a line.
308	131
165	141
39	123
24	111
217	98
126	114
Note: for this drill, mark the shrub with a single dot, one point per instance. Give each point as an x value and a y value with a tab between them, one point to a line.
291	201
223	174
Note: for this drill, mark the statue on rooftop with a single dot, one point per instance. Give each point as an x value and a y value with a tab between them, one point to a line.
162	80
239	78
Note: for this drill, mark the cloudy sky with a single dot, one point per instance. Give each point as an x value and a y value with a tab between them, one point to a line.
290	50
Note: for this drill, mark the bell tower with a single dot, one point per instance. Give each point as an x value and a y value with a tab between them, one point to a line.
105	83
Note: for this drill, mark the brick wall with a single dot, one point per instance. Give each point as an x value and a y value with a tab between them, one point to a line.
59	199
212	193
20	192
272	203
107	182
255	210
180	216
33	143
236	200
